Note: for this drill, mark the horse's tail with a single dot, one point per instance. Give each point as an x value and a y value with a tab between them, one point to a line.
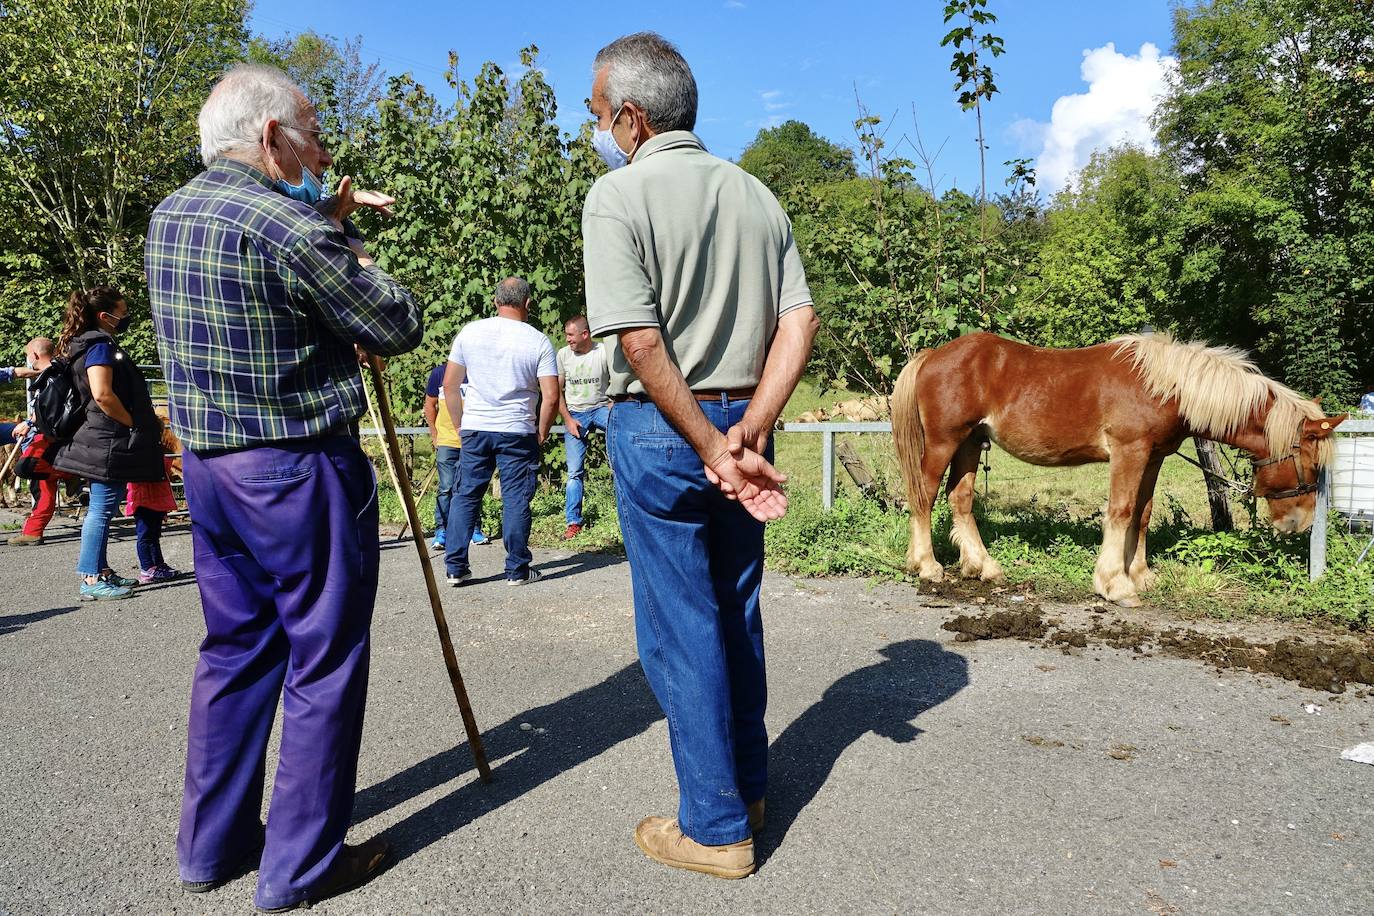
907	432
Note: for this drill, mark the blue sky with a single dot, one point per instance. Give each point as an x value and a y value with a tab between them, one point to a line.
758	63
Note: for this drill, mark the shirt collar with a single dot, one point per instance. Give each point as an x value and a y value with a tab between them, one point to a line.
673	139
241	170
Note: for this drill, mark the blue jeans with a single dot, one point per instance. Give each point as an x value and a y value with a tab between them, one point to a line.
95	530
696	567
576	450
516	456
446	460
148	524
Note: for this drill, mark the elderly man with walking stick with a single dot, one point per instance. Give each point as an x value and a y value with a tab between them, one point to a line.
261	295
692	270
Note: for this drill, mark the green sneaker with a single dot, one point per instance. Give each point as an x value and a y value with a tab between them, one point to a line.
103	590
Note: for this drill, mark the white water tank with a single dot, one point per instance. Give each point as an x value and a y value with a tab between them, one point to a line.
1352	477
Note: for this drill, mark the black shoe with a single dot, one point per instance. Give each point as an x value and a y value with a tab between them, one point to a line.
534	576
356	866
459	579
249	863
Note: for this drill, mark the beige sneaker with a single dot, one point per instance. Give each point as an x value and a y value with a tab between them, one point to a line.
23	540
756	816
662	840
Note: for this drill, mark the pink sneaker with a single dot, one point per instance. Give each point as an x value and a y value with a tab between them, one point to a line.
159	573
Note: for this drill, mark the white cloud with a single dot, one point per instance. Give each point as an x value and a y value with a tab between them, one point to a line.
774	104
772	100
734	4
1123	91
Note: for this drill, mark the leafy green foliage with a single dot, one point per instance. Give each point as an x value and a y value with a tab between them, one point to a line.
1271	124
895	269
485	189
791	154
330	71
1105	264
98	103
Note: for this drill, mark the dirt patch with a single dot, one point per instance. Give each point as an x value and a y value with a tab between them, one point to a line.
1320	666
1015	624
1037	741
1122	752
1329	664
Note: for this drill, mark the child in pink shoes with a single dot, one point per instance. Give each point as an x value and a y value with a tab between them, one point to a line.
149	504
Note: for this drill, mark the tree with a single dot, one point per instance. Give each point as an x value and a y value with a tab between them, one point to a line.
975	86
1270	121
894	269
331	72
98	103
486	188
791	154
1105	264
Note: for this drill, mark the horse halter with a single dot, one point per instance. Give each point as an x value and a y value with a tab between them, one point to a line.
1294	453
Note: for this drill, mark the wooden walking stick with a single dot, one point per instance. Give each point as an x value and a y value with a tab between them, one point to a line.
460	693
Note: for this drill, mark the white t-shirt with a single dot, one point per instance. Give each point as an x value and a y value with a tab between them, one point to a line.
504	359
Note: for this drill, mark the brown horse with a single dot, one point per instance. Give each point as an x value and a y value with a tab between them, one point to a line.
1130	402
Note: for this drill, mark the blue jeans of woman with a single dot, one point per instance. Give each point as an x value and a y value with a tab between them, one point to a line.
95	530
696	568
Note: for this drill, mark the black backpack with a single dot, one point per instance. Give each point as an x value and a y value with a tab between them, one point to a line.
58	408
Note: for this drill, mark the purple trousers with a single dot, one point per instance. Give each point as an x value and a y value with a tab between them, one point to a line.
286	555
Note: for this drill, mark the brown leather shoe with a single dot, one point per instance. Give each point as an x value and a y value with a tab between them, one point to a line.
355	866
662	840
25	540
756	816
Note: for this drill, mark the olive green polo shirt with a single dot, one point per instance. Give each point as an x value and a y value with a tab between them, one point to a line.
697	247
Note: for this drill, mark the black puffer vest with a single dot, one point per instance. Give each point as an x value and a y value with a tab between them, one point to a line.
103	448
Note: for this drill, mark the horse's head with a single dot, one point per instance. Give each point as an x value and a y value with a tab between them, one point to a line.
1288	481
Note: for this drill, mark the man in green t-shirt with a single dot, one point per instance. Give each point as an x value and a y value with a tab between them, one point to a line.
582	399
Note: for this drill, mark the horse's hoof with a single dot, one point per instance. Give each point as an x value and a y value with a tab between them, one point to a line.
932	573
992	573
1128	601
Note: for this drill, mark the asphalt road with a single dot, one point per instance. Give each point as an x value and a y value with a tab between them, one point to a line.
910	773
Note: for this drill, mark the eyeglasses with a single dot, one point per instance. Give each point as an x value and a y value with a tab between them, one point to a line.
317	134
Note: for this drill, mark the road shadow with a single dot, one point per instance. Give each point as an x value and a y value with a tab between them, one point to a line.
916	675
579	728
14	622
579	563
883	698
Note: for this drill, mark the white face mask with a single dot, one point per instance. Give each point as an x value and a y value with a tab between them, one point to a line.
604	142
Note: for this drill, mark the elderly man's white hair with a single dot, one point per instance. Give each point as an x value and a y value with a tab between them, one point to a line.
244	99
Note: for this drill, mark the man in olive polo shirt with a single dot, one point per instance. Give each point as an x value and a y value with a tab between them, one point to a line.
693	277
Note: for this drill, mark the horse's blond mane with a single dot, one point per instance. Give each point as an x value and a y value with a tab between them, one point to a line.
1218	390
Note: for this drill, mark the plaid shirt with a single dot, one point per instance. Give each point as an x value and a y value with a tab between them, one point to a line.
257	302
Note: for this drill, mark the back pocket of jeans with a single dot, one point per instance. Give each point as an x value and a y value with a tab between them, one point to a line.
279	475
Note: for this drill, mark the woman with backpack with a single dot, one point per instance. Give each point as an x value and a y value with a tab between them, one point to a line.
120	440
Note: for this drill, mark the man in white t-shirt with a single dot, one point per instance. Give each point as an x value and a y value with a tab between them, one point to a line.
582	382
500	367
